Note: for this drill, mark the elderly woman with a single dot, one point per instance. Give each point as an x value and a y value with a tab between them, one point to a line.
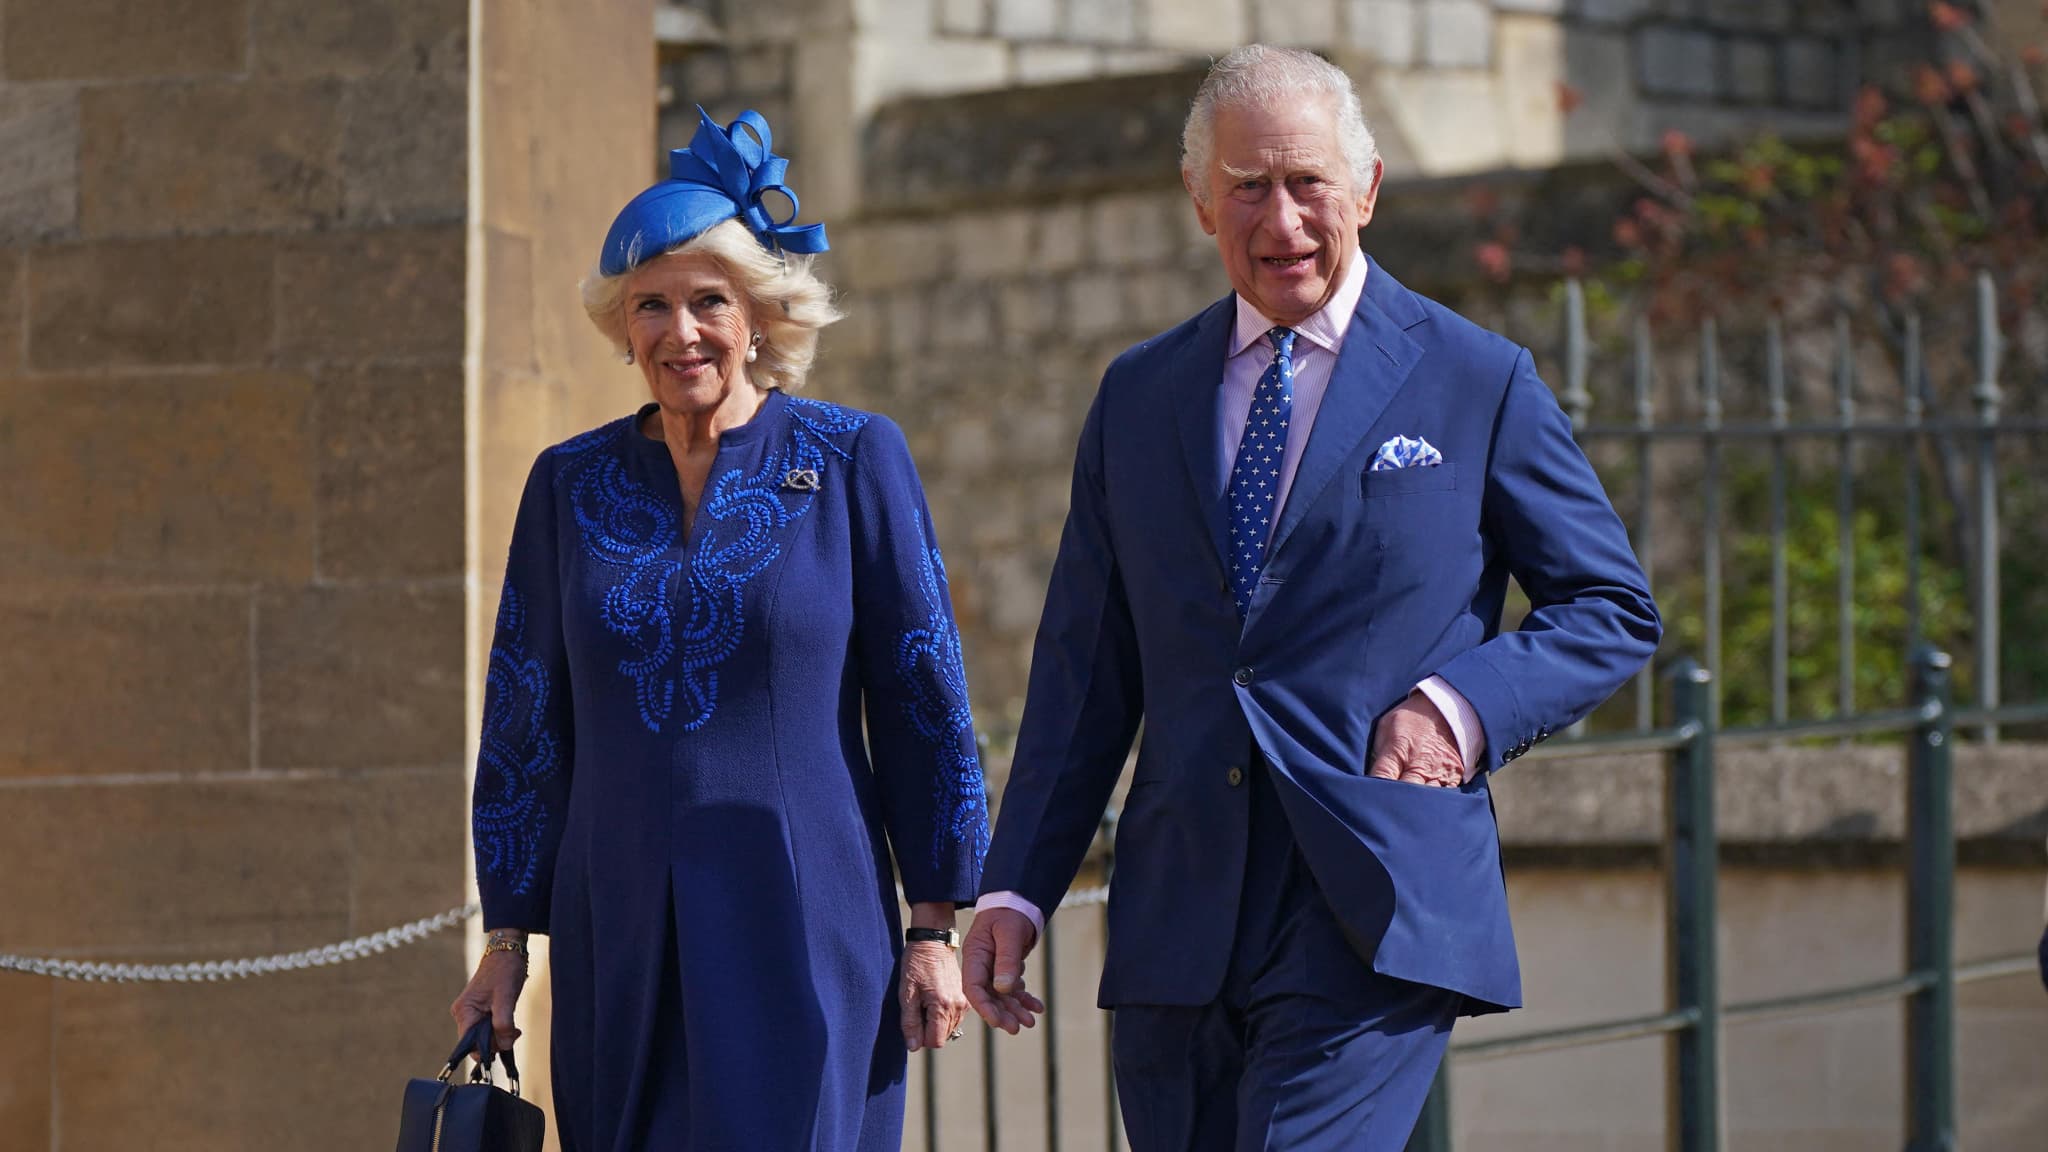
725	690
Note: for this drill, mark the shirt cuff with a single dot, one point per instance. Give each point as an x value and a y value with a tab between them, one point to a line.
1464	722
1014	903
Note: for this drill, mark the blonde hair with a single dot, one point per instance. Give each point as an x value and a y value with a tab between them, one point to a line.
1257	74
788	302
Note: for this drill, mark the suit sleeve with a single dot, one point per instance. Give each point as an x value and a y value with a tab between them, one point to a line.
1082	706
523	757
1591	622
920	729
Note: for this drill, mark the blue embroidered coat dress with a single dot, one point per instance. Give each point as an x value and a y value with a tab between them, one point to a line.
700	752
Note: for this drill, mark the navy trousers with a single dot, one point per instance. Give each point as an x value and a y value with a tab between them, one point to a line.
1306	1049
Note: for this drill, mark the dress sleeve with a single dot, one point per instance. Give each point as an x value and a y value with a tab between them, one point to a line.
523	757
913	683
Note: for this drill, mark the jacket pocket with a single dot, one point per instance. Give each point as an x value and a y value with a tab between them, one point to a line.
1403	481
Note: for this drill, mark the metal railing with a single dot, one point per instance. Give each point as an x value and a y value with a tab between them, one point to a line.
1694	1017
1850	433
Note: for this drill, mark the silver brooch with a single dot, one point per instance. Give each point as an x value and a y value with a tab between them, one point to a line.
801	480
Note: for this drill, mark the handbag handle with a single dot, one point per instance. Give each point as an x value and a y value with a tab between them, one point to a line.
476	1044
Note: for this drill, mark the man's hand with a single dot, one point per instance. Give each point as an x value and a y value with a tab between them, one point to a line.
992	961
1414	743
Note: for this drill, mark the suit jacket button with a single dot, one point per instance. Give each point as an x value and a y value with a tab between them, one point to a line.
1243	677
1235	776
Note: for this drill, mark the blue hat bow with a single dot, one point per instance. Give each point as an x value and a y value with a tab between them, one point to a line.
724	174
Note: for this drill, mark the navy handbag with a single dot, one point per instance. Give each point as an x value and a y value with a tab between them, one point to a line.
444	1115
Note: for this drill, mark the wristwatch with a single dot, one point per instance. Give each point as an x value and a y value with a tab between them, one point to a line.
946	936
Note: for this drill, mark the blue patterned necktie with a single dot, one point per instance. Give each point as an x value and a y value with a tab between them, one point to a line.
1255	480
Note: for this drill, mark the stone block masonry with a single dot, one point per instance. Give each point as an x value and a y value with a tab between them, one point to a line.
235	556
1015	251
1703	66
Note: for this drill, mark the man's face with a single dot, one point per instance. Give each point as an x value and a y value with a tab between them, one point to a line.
1282	204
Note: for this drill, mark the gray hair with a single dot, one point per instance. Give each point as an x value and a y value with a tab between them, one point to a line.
789	304
1257	74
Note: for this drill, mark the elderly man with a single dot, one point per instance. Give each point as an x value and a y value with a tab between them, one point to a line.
1293	521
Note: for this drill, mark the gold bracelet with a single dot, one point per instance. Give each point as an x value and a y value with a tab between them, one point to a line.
498	943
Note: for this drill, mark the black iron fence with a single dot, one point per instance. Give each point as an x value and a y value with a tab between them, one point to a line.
1694	1015
1965	451
1011	1114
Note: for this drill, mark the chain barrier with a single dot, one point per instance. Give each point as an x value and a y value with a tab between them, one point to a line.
213	971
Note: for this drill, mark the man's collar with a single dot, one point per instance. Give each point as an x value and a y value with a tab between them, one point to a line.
1325	328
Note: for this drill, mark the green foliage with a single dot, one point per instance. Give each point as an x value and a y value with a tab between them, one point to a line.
1879	609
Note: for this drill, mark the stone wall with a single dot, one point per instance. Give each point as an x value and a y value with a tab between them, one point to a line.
984	333
1451	86
1000	177
231	567
564	120
281	329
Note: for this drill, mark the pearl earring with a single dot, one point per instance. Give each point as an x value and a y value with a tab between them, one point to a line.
754	348
629	356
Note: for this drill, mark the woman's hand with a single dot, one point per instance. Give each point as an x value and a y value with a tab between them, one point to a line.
493	992
929	994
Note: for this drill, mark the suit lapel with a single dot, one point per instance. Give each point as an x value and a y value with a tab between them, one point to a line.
1196	377
1376	358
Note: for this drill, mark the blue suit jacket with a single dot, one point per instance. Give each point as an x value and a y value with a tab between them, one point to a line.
1373	582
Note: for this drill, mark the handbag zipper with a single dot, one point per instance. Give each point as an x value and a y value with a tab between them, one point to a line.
441	1115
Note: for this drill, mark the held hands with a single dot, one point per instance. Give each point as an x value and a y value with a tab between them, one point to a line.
930	996
993	959
1414	743
494	990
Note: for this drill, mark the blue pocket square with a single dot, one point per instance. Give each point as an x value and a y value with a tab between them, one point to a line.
1401	452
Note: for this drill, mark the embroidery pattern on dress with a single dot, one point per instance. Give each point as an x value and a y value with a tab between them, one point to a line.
630	533
634	535
930	665
741	537
518	754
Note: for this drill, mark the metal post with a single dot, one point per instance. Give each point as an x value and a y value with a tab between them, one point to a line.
1710	547
1845	518
1691	859
1781	596
1646	685
1433	1128
1930	912
1990	349
1910	382
1577	398
991	1127
1052	1040
1113	1110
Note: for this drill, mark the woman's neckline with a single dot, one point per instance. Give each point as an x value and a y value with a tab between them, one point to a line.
754	429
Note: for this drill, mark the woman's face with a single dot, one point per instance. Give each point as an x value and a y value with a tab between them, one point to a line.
689	328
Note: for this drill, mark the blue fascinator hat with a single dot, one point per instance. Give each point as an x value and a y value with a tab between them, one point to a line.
722	175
